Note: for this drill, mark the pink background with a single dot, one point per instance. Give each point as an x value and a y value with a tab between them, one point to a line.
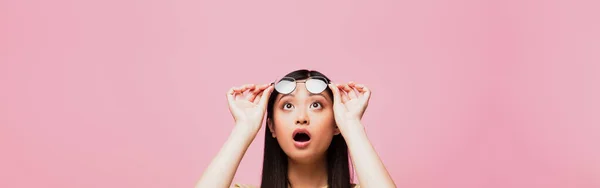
465	93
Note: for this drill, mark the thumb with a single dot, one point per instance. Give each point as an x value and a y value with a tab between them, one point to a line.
231	100
336	93
231	95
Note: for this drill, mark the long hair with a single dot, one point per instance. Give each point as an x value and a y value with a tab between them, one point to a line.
275	161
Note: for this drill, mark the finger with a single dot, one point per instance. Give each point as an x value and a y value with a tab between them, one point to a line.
361	87
257	93
231	95
337	97
246	91
365	91
354	87
345	97
238	92
336	93
231	100
247	87
264	99
343	93
349	91
351	84
237	89
257	98
341	88
252	93
264	86
358	90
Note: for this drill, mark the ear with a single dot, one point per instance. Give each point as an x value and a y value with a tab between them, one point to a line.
336	130
271	127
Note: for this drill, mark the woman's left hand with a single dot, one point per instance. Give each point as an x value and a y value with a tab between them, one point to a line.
348	108
349	105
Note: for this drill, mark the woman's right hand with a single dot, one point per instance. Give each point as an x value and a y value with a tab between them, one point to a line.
248	105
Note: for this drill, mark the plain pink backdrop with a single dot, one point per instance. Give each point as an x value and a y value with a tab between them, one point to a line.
465	93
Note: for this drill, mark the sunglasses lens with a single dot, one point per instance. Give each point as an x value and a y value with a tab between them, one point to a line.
316	85
285	86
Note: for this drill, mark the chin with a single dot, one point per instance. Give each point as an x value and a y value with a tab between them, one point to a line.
303	155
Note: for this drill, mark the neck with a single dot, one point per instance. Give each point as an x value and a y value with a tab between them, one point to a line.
313	174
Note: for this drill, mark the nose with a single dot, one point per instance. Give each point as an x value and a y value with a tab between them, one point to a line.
302	118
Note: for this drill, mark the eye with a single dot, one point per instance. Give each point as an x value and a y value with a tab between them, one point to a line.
287	106
316	105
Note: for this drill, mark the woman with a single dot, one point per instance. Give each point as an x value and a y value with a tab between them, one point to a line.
311	126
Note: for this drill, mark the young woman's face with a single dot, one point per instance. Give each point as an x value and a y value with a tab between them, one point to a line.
304	124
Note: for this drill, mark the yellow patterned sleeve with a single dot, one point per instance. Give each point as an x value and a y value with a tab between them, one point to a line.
240	185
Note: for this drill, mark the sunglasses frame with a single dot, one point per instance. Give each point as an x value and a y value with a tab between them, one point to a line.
319	78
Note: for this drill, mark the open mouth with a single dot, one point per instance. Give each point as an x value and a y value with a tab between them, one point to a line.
301	135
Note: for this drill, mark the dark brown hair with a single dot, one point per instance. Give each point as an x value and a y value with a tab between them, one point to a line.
275	161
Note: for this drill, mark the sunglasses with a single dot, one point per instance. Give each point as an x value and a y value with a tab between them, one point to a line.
314	84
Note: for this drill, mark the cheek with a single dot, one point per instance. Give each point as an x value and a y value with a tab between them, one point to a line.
321	138
323	119
284	126
322	126
324	130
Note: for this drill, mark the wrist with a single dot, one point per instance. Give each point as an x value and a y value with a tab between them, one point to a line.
351	128
244	130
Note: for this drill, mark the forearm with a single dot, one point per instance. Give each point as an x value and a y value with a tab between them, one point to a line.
369	168
222	168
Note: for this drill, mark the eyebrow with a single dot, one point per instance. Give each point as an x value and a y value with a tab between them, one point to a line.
292	95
